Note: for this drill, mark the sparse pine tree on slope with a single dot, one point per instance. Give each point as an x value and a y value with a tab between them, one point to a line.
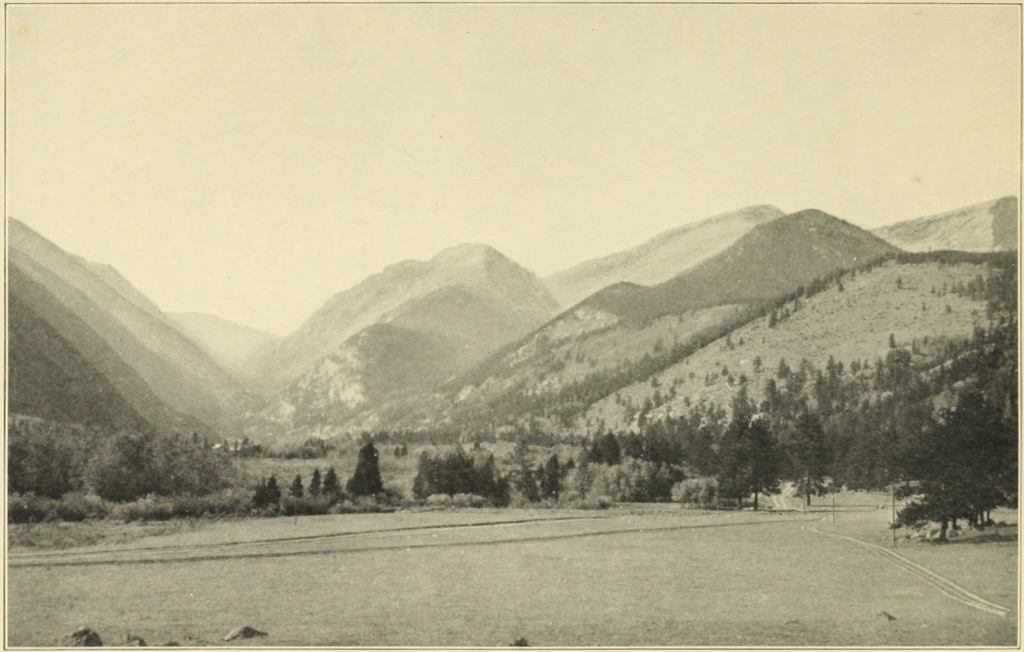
296	488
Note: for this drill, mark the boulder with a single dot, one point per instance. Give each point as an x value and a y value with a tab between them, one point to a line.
243	632
84	637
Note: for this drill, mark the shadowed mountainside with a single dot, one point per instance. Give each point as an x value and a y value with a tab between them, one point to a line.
115	329
660	258
771	260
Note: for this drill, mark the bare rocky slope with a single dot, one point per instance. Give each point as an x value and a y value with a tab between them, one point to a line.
990	226
660	258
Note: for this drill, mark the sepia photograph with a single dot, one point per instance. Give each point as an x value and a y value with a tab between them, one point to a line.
512	324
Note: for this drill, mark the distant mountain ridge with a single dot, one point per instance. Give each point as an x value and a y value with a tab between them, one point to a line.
230	345
989	226
480	270
659	258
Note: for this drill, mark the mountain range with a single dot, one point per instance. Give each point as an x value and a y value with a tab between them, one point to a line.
465	340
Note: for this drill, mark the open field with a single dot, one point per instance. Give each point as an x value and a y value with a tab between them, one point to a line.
651	575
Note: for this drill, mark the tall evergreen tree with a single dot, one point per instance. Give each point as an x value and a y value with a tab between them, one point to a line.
331	487
551	481
366	480
296	490
809	455
315	483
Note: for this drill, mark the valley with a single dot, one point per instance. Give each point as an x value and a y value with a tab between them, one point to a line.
648	437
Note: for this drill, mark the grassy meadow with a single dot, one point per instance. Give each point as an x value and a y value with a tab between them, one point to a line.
630	575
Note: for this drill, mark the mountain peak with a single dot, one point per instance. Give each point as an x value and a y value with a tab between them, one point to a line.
467	254
661	257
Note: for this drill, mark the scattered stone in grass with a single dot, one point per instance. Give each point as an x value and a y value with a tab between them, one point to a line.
85	637
243	632
134	641
888	616
519	642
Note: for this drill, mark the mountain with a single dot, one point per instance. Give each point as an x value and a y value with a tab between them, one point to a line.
484	301
230	345
117	334
772	259
659	258
920	306
627	333
492	279
991	226
59	369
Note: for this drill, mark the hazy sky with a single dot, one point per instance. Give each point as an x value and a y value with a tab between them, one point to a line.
250	161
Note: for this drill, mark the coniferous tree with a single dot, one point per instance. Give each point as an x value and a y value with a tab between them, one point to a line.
331	487
366	480
315	483
296	490
808	452
551	481
273	491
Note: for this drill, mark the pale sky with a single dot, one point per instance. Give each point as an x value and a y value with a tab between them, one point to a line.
250	161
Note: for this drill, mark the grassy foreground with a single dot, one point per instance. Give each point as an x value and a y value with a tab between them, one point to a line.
629	576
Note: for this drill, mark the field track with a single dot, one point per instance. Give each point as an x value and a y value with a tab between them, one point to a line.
493	533
629	576
944	585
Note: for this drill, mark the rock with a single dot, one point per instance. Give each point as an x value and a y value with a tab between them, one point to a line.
85	637
134	641
519	642
888	616
243	632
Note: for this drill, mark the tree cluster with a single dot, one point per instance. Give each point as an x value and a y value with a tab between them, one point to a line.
50	460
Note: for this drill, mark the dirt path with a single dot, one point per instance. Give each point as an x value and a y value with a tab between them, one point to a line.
943	585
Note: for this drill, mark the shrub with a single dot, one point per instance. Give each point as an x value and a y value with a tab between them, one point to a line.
30	508
304	505
77	506
438	500
229	502
468	500
696	492
150	508
632	481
